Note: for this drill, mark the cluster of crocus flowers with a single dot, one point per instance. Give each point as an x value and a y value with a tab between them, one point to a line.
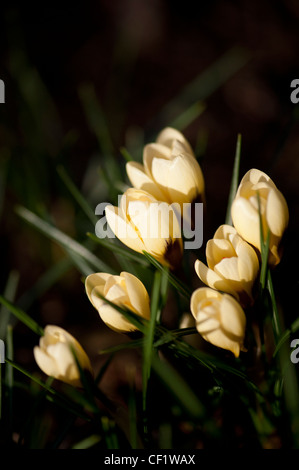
233	264
125	290
150	213
59	354
146	220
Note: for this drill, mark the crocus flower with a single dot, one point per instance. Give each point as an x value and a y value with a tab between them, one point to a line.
220	319
170	171
57	353
273	209
144	224
232	264
125	291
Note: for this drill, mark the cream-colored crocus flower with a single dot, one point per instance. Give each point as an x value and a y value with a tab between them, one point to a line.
232	265
125	291
273	207
220	319
56	354
145	224
170	171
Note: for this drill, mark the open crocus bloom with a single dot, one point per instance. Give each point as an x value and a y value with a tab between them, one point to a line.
56	355
125	291
273	208
170	171
232	265
220	319
144	224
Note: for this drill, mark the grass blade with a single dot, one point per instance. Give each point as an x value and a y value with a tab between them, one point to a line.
204	85
234	181
9	294
76	194
95	117
4	156
88	442
188	116
22	316
149	335
62	239
179	388
1	393
52	394
126	154
109	432
137	320
45	281
137	343
120	250
275	314
9	377
286	335
132	408
180	286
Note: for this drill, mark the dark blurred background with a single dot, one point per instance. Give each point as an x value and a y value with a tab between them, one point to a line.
145	63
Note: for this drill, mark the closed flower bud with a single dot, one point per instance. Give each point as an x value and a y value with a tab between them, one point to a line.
273	209
232	265
57	353
170	171
145	224
220	319
125	290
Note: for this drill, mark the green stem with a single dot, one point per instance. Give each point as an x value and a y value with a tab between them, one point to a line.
277	328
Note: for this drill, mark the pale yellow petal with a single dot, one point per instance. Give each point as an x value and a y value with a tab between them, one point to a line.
199	295
233	318
277	213
184	178
46	363
255	176
227	268
246	221
152	151
224	231
67	339
95	280
221	340
169	135
62	354
110	282
212	279
217	249
140	180
160	227
122	229
138	213
115	320
205	323
137	294
117	295
248	263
